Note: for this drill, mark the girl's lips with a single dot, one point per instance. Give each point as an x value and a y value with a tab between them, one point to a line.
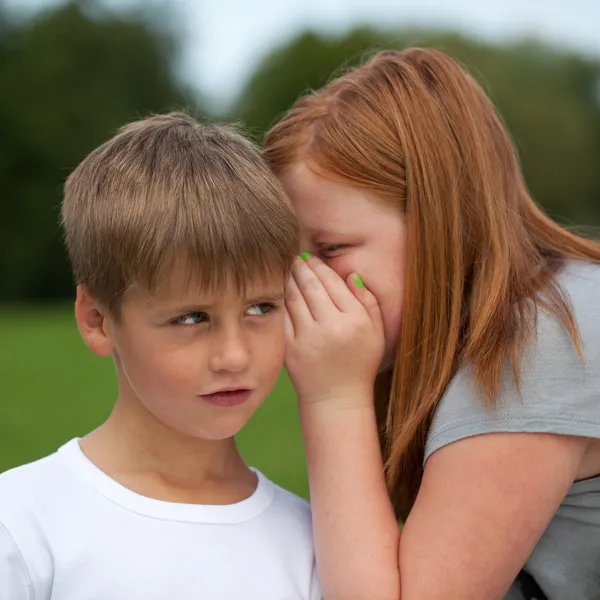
227	398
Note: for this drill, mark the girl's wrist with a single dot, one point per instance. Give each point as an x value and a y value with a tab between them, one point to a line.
338	401
328	418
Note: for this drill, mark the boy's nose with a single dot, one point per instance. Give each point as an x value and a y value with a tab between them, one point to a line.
230	351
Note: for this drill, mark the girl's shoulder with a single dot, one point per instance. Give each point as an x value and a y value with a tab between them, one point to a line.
581	281
558	390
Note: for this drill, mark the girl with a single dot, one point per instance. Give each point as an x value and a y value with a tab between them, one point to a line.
468	360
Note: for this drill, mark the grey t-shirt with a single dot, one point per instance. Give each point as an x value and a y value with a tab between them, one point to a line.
560	394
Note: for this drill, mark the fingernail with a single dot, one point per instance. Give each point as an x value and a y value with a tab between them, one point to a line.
305	255
358	281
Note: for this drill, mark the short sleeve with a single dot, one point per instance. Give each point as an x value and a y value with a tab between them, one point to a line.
559	390
15	583
315	587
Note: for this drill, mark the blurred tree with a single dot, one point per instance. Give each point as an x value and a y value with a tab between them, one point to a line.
73	74
306	63
548	98
69	78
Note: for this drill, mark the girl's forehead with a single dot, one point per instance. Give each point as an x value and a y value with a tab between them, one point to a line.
345	215
311	190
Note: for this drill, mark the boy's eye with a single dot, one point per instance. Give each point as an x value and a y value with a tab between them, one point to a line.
192	318
260	309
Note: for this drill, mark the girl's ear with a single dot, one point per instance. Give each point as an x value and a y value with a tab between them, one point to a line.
93	323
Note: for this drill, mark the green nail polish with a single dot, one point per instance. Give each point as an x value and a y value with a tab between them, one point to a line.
305	255
358	281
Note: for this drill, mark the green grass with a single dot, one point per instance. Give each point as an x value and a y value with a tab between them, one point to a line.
52	388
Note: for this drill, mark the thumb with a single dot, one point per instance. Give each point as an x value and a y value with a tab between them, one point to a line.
366	298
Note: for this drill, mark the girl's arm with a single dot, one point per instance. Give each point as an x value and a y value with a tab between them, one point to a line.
356	533
484	501
334	348
482	507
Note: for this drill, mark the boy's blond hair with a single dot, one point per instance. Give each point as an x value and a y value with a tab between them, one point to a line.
169	191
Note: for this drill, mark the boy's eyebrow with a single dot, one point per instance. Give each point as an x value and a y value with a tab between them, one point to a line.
266	298
190	308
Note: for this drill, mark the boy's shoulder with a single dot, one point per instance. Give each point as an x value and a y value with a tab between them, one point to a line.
290	501
288	507
31	475
25	486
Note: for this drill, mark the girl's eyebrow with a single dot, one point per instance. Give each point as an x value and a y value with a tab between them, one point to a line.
323	235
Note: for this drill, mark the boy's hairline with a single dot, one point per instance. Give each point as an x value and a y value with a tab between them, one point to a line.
216	287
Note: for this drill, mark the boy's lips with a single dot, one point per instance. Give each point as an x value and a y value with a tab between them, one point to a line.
227	397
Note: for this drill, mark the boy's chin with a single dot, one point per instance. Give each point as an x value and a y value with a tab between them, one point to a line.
221	429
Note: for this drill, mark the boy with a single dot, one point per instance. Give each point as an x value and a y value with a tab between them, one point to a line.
180	241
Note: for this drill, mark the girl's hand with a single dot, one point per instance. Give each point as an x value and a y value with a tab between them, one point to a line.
334	335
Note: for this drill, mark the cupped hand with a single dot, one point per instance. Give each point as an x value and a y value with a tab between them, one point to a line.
334	336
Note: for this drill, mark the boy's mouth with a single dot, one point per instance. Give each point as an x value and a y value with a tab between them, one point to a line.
227	397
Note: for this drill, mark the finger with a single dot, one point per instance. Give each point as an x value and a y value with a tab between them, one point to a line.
317	299
296	307
366	298
288	327
334	285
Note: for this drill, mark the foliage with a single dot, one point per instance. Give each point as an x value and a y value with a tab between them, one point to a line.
69	79
548	98
72	75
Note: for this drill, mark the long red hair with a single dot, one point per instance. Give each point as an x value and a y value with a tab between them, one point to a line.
415	129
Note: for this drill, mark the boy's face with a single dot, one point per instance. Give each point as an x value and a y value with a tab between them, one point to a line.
200	362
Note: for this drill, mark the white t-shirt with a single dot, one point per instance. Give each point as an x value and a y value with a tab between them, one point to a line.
70	532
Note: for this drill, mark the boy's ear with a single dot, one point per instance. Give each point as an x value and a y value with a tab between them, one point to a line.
93	323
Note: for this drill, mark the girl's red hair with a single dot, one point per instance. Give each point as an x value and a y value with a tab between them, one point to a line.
415	129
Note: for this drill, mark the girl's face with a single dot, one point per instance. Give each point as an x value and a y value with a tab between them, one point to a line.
353	231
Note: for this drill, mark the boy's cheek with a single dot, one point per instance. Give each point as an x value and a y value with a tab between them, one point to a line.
274	354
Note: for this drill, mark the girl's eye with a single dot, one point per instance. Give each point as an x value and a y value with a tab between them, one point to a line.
192	319
327	249
261	309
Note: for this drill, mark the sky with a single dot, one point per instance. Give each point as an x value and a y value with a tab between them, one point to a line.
224	40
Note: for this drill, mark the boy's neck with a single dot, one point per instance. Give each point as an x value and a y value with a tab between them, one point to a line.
156	461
